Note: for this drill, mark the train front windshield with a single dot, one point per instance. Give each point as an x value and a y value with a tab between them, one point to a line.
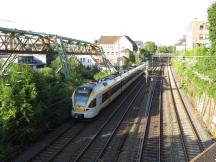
81	96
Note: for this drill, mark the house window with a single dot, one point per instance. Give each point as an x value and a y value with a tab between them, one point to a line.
206	36
26	59
206	27
201	27
201	36
83	59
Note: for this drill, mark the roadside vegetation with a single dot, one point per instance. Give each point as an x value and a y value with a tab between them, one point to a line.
129	61
145	54
31	103
200	72
148	51
101	74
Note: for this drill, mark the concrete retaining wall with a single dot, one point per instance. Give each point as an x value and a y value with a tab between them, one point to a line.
207	108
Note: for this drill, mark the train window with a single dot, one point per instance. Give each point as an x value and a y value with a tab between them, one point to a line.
82	95
105	83
83	91
116	88
105	97
93	103
126	80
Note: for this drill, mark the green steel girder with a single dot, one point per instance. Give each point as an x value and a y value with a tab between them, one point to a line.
14	41
35	43
63	58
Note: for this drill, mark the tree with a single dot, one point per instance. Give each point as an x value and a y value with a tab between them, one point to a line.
132	57
162	49
144	55
150	47
166	49
128	61
17	96
171	49
212	27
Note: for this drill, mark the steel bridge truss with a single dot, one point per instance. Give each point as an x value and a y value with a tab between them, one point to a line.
14	42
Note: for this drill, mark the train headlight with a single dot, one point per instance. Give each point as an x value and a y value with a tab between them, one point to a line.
79	108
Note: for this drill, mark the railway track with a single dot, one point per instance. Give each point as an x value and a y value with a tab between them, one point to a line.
182	126
148	144
114	147
172	139
148	123
182	142
60	144
92	150
101	140
112	150
132	149
151	144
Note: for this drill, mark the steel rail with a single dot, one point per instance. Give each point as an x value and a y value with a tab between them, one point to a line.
118	125
188	115
142	141
53	142
179	123
161	112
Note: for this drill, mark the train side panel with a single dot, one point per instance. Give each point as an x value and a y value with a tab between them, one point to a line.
108	93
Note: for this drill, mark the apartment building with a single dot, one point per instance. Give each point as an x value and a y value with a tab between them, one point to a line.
117	47
197	34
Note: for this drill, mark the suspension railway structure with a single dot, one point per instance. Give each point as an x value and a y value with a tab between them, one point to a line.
14	42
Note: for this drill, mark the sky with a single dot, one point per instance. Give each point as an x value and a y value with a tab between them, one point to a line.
163	22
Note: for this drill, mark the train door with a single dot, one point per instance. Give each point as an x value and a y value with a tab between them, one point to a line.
110	94
99	99
107	96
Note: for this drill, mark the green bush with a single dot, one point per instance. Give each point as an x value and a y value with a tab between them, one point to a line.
101	75
212	28
29	104
203	65
32	102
